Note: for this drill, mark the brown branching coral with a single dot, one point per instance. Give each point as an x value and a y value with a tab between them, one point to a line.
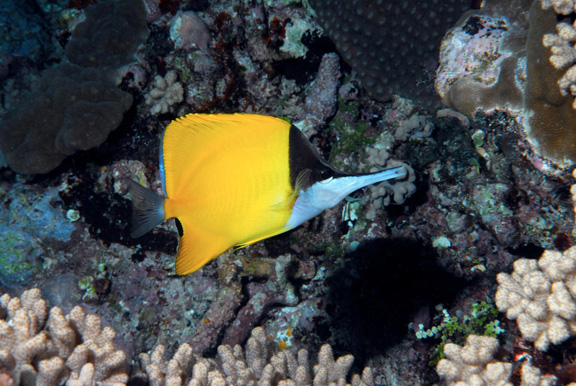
46	347
255	364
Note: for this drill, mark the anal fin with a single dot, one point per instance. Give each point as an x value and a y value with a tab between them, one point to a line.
198	247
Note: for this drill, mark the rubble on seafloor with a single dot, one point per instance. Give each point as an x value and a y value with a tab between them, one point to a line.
360	277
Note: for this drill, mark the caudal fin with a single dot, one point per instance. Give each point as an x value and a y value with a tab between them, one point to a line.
147	209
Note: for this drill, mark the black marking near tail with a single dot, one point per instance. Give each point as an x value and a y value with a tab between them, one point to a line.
179	227
147	209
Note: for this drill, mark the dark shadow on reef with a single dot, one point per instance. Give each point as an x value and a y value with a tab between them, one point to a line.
375	294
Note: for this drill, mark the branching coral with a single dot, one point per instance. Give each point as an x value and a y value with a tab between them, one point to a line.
563	46
165	93
541	296
563	7
474	364
383	193
44	347
255	364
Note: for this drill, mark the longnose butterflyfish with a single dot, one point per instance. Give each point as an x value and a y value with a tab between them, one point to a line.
232	180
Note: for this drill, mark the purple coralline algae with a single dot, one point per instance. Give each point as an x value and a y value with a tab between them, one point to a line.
28	227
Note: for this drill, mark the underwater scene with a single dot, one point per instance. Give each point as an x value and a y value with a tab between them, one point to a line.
287	192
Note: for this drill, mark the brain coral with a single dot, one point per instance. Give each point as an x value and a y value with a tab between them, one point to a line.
392	45
74	109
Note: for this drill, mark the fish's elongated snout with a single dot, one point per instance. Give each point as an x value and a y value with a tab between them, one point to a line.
340	187
325	194
362	180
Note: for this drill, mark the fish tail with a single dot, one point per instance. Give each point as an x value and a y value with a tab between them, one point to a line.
147	209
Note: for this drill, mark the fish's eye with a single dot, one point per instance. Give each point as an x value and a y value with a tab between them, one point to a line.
326	176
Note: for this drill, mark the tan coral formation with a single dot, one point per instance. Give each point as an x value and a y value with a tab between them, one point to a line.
532	376
541	296
384	193
474	364
563	46
165	92
39	346
562	7
255	364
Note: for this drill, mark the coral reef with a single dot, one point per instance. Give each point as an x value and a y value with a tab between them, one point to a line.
257	363
541	296
355	277
474	364
43	346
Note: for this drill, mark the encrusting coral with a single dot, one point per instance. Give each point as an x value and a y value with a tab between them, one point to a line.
508	57
76	108
39	346
474	364
76	105
256	364
541	296
380	37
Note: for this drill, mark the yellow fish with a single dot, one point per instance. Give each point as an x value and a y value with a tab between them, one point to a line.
236	179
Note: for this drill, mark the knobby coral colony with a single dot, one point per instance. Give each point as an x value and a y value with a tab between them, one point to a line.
41	346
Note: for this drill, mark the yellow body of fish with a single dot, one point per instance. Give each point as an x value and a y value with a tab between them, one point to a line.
227	181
